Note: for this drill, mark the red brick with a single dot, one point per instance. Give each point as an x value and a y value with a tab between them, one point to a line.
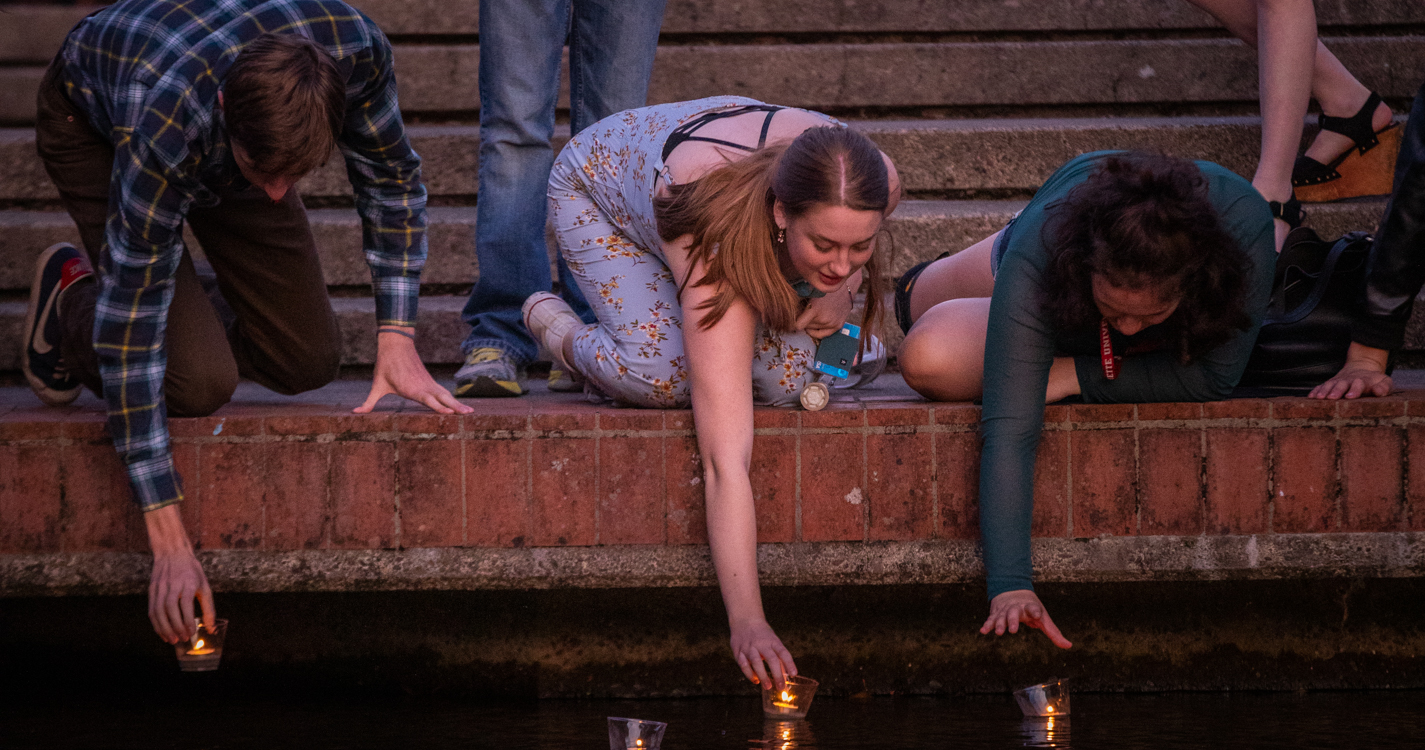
683	472
1103	473
1371	408
957	483
430	487
847	416
773	473
1080	413
363	495
966	414
833	497
900	484
425	423
187	462
1170	481
631	490
86	427
1304	480
1057	413
1371	479
301	421
1051	485
898	416
496	423
30	519
1169	410
1304	408
558	420
232	478
773	418
631	419
563	484
681	419
41	423
497	506
1416	488
98	509
219	426
297	503
1241	408
1236	471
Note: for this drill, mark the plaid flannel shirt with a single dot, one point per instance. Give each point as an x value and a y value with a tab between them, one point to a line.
147	74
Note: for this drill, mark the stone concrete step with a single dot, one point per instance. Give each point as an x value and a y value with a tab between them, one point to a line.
550	491
33	33
944	157
837	76
438	333
921	230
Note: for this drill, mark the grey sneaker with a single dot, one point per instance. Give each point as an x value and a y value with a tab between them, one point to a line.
488	373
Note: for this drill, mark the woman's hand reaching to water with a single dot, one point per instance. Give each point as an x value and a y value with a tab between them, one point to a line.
1011	608
754	643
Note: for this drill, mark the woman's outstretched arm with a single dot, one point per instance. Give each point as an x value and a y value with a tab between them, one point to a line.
720	367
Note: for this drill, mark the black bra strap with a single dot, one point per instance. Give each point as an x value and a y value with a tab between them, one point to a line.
684	132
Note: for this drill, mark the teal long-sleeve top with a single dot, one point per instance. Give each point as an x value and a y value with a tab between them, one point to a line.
1021	345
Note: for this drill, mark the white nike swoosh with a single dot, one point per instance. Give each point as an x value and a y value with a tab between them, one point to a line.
40	345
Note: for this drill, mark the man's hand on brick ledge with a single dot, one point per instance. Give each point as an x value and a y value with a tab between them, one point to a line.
177	578
1011	608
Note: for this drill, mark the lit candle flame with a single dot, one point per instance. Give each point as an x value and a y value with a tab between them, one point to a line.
786	696
198	643
1050	709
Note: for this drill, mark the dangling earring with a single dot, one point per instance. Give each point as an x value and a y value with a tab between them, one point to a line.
781	236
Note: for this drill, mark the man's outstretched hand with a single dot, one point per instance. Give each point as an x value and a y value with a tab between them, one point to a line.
1011	608
399	370
177	579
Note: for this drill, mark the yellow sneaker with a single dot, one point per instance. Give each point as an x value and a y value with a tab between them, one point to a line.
488	373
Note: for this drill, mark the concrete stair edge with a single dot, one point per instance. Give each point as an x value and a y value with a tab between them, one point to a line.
874	75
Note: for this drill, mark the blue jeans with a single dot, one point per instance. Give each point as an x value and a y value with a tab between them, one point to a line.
611	48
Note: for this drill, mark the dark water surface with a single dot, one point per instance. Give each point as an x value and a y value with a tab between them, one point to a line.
1376	719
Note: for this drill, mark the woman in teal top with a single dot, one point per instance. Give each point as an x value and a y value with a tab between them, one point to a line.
1167	262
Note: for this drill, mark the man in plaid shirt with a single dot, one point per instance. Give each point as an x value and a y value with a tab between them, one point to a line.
159	111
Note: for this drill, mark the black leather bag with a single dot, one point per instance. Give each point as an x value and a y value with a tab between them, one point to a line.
1315	294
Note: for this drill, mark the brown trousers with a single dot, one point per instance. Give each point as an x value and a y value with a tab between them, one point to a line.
285	336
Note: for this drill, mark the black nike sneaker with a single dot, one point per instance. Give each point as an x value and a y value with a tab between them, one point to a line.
59	267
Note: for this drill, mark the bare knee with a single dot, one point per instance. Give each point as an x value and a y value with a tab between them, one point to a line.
942	357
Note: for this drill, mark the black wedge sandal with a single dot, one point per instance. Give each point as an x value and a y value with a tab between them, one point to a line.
1365	169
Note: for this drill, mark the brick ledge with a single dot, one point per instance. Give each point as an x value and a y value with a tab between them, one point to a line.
1142	558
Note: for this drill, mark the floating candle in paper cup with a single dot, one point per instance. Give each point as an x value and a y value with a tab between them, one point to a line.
792	701
635	734
1045	699
203	652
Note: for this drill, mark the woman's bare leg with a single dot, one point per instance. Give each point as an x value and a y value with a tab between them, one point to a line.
1284	33
965	274
943	357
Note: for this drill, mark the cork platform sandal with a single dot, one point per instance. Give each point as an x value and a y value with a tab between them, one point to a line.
1365	169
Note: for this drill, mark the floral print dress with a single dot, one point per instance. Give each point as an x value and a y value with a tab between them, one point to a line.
601	194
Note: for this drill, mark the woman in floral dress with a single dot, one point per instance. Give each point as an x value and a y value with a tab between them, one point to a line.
759	221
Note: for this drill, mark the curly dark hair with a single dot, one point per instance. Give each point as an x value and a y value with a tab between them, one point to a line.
1144	221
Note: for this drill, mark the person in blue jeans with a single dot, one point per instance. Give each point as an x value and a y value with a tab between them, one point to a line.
611	48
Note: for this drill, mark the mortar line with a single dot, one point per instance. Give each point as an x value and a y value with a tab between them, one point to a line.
796	483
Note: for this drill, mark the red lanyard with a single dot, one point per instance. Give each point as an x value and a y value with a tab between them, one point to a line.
1105	350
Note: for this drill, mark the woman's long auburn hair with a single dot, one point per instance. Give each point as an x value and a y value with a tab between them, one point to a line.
729	214
1144	220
